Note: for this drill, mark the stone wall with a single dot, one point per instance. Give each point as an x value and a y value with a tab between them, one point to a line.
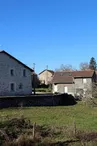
37	100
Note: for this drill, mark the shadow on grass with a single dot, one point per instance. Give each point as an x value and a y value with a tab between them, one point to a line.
66	143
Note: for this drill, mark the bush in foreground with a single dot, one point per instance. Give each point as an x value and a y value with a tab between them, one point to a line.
21	132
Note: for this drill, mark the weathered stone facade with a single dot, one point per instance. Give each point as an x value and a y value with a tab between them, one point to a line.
46	76
12	80
73	88
75	83
61	88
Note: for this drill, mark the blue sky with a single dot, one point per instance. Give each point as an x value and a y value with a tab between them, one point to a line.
49	32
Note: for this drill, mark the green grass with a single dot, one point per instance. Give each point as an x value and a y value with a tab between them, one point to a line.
85	116
59	120
43	90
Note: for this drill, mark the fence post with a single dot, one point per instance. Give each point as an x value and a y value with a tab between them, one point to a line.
34	125
74	123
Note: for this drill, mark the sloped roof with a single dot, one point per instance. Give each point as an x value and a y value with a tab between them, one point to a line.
68	76
47	70
86	73
2	51
62	77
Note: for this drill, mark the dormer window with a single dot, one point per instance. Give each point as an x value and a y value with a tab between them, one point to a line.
12	72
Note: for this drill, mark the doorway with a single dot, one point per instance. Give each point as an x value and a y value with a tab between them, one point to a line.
66	89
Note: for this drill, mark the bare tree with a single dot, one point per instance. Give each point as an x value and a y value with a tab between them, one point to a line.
66	67
84	66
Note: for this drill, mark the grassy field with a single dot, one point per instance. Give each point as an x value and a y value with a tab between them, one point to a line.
85	116
43	90
62	125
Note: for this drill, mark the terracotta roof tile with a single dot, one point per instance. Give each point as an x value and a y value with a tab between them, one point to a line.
47	70
68	76
62	77
88	73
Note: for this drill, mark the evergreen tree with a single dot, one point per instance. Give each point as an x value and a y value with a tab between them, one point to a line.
92	64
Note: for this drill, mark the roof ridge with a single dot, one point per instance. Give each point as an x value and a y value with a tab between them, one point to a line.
1	50
16	60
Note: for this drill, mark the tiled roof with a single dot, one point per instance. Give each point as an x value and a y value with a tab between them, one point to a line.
87	73
68	76
47	70
62	77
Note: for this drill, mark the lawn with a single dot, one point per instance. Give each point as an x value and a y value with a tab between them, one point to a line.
85	116
59	124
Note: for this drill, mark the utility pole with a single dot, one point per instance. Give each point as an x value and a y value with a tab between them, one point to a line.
34	77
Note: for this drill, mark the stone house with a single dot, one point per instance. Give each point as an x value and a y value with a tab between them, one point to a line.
73	82
15	77
46	76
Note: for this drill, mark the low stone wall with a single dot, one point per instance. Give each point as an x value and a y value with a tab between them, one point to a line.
37	100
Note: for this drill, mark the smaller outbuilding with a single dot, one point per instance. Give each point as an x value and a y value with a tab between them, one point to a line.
73	82
46	76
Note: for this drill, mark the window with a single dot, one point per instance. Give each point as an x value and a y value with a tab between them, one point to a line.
20	86
84	81
12	87
24	73
12	72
